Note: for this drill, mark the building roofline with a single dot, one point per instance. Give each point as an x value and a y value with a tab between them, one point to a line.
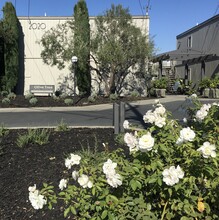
198	26
66	17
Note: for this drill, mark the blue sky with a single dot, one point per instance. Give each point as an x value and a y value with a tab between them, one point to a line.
168	18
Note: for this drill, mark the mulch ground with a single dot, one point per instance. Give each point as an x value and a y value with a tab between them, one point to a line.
46	101
35	164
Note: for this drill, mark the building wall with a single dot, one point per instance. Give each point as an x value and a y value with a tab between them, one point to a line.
204	41
35	71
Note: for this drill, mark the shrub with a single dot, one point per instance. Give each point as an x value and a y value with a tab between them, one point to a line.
69	101
113	96
160	83
34	136
29	95
3	131
62	126
33	101
11	95
6	100
56	98
205	83
64	95
92	99
135	94
170	173
4	93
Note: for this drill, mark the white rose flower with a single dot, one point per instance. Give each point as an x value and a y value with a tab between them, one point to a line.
131	142
37	200
109	167
160	121
32	188
72	160
194	96
185	120
84	181
75	159
179	141
149	117
146	142
180	172
207	150
160	110
187	134
126	124
114	180
215	103
201	114
63	184
206	107
68	163
172	175
75	175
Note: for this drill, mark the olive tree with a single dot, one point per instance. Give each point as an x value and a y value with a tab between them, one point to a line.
60	43
118	47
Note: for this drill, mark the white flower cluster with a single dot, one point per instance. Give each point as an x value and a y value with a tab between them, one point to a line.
37	200
113	178
202	112
144	143
157	116
207	150
84	181
172	175
72	160
186	134
126	124
63	184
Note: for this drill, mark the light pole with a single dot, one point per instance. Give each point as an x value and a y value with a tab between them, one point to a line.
74	61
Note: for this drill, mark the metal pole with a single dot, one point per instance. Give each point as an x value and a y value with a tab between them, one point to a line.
121	116
116	118
74	78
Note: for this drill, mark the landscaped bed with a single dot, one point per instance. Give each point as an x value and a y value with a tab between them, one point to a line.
21	167
167	171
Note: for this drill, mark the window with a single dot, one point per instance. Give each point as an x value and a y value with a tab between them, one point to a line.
189	41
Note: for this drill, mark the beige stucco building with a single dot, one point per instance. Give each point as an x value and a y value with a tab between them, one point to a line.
36	73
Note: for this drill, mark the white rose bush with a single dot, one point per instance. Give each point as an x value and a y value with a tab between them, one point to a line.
169	170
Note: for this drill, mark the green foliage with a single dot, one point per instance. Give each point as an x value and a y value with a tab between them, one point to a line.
144	194
205	83
4	93
6	101
33	101
11	95
62	126
119	47
33	136
69	101
54	41
92	98
160	83
82	47
3	131
113	97
11	47
135	94
29	95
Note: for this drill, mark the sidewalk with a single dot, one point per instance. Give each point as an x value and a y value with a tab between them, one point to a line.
168	98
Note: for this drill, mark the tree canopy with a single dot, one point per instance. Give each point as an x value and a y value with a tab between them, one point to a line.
118	47
82	47
10	33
